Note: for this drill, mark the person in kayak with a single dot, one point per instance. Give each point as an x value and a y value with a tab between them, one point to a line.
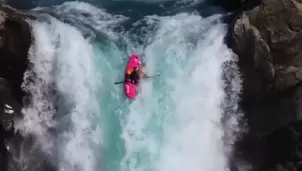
136	74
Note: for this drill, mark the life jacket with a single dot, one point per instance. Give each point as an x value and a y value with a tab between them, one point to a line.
129	72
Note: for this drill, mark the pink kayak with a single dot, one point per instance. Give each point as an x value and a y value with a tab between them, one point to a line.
130	88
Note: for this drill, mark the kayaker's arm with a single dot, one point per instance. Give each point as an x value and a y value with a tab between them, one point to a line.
143	75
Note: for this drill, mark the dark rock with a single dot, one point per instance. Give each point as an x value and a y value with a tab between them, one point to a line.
298	165
269	69
267	39
9	110
15	39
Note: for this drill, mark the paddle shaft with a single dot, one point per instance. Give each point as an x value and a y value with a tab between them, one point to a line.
144	78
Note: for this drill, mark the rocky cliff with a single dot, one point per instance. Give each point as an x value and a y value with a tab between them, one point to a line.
265	35
15	39
268	40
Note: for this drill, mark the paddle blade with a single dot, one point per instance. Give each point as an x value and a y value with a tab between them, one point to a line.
120	82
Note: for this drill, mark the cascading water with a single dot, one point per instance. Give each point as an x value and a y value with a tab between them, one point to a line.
175	124
83	122
61	101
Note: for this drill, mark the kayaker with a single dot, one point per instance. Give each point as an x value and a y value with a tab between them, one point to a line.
136	74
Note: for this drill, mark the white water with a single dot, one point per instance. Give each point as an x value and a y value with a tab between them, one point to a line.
98	19
185	105
175	122
62	60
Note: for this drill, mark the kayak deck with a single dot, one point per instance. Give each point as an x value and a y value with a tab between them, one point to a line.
129	87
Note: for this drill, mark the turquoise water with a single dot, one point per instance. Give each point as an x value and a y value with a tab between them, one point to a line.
175	121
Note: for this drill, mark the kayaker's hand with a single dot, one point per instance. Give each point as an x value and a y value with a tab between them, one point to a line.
145	76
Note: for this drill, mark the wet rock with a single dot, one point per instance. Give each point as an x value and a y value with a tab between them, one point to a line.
267	38
15	39
9	107
9	110
298	165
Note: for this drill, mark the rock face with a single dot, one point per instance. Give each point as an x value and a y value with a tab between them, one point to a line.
268	39
15	39
266	36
